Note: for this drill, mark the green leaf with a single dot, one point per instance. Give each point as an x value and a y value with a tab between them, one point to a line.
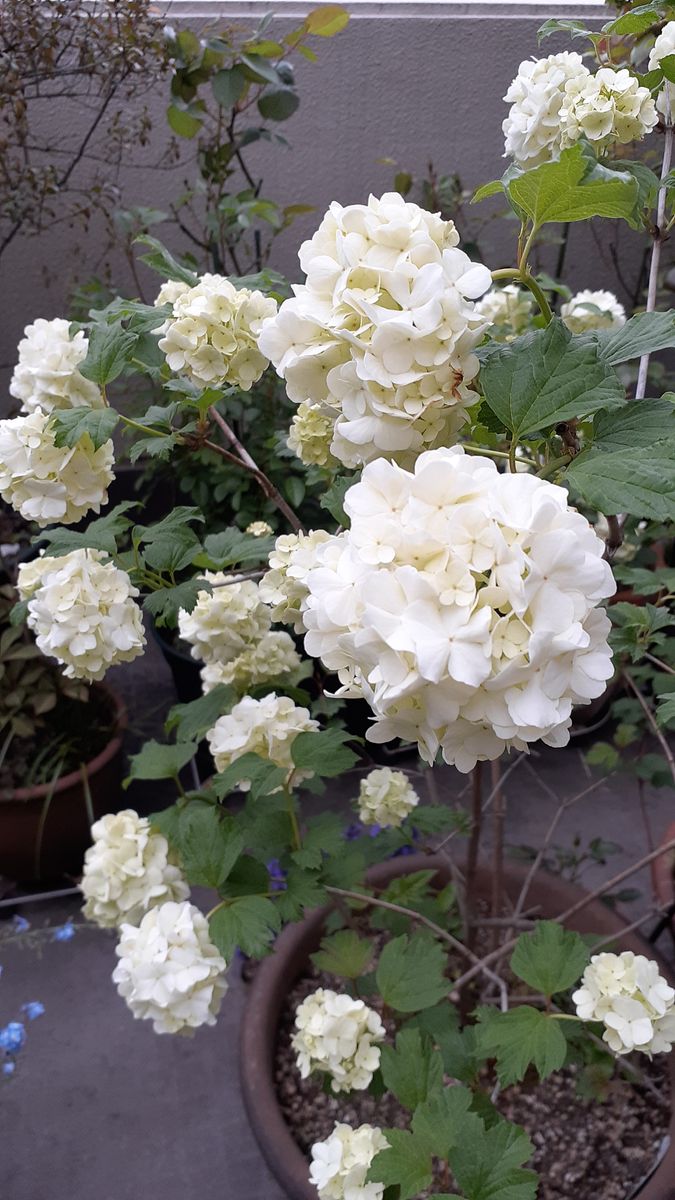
547	376
163	262
208	844
573	28
278	104
101	534
639	481
158	760
186	121
191	721
444	1120
247	922
323	835
518	1038
412	1070
109	351
494	188
645	333
167	821
405	1163
550	958
642	423
18	613
665	713
327	20
323	752
263	776
230	547
648	186
71	424
487	1165
228	86
573	188
260	71
154	447
344	954
165	604
636	20
334	496
410	973
303	892
456	1044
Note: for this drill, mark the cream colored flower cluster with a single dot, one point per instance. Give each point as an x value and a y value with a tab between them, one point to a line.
81	609
386	797
266	727
259	529
632	999
284	585
273	657
509	310
609	107
337	1034
47	374
463	604
128	870
593	310
379	342
340	1165
212	334
169	971
47	483
311	435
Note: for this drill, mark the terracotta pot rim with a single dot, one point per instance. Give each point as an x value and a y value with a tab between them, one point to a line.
73	778
276	975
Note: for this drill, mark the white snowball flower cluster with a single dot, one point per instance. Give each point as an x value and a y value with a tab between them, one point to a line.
386	797
169	971
508	309
82	611
532	128
47	483
337	1034
593	310
340	1165
47	374
608	107
284	586
632	999
311	434
212	334
381	337
226	621
663	47
128	870
266	727
463	605
272	657
169	292
259	529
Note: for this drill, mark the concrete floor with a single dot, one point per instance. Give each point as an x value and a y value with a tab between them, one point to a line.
102	1107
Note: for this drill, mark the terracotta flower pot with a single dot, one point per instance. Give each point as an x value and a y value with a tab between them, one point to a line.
45	839
277	974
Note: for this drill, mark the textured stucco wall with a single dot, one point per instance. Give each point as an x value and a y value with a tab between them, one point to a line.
411	81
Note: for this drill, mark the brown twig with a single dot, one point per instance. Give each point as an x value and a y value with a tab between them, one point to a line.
244	459
474	845
658	733
499	815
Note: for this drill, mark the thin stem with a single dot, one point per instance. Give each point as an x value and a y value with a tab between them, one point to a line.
658	663
498	818
144	429
652	721
293	817
554	465
503	454
659	236
474	845
250	464
513	465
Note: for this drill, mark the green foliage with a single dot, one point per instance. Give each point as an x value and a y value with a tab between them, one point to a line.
334	497
101	534
158	760
165	604
521	1037
159	259
191	721
457	1045
488	1164
324	753
245	922
344	954
208	842
109	349
412	1070
71	424
322	836
644	333
232	548
638	480
573	187
264	777
550	958
410	974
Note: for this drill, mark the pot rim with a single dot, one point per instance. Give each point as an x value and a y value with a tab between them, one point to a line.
73	778
277	973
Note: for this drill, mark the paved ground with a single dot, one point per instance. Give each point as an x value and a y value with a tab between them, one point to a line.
101	1107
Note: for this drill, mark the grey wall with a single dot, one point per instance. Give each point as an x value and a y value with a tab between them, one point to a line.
410	81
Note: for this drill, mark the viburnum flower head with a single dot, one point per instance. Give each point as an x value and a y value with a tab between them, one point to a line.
272	658
386	797
47	374
169	971
340	1165
169	292
381	336
607	108
259	529
225	621
532	128
47	483
83	613
266	727
128	870
212	334
632	999
311	434
509	310
462	604
664	46
593	310
337	1034
283	587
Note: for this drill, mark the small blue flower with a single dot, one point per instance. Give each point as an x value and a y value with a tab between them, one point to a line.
33	1009
21	925
8	1068
353	831
63	933
12	1037
277	875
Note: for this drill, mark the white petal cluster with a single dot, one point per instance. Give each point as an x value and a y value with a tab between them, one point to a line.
463	605
272	657
508	309
607	108
284	585
82	612
340	1164
169	971
386	797
337	1034
259	529
226	621
47	374
311	434
127	871
632	999
47	483
663	47
532	128
212	334
381	337
266	727
169	292
593	310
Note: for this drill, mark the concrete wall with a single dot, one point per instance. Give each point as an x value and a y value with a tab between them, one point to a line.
413	81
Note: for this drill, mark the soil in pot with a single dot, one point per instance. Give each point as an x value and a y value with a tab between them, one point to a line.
74	732
584	1150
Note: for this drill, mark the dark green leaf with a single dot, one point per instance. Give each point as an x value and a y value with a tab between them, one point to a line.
639	481
334	496
160	761
303	892
573	187
247	922
163	262
406	1163
550	958
323	752
110	348
165	604
323	835
228	86
410	973
444	1119
518	1038
644	333
643	423
71	424
263	776
487	1165
278	104
412	1070
344	954
101	534
191	721
208	843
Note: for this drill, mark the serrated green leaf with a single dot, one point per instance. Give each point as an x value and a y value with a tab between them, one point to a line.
637	20
344	954
154	447
550	958
547	376
444	1119
246	922
72	424
406	1164
110	347
457	1045
208	842
163	262
412	1070
521	1037
167	821
303	891
334	496
640	481
494	188
230	547
101	534
645	333
191	721
642	423
410	973
158	760
263	776
324	752
165	604
487	1164
573	187
322	836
